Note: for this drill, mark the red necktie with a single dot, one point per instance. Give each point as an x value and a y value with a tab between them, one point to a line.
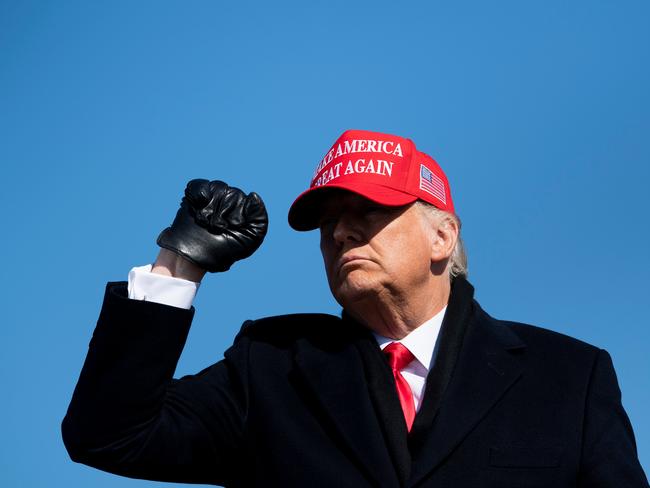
398	358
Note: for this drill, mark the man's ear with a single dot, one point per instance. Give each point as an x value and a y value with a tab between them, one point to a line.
445	235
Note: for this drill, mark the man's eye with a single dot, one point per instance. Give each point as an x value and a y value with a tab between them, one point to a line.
326	224
375	210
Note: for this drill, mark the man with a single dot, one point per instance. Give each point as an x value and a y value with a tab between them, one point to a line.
415	385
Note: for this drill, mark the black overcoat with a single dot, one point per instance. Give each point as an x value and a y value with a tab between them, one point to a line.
307	400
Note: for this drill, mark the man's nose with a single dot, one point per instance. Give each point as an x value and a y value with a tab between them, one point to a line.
347	228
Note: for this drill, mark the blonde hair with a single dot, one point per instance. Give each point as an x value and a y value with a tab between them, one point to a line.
458	260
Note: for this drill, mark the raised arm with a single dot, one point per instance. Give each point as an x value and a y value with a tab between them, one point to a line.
127	414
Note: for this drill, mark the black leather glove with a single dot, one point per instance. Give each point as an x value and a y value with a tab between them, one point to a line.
216	225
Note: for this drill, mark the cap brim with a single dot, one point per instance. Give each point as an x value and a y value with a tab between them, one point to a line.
304	213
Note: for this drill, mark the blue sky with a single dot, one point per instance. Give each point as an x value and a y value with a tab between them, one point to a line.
539	112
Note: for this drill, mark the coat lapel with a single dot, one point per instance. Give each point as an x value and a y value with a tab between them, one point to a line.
470	382
381	387
450	340
334	378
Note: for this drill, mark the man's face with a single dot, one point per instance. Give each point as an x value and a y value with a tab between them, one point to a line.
372	251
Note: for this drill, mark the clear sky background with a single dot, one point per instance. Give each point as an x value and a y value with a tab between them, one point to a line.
539	112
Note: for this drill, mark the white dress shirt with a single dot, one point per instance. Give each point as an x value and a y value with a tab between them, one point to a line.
423	344
167	290
177	292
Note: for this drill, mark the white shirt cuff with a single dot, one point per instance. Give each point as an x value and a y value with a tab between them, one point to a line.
167	290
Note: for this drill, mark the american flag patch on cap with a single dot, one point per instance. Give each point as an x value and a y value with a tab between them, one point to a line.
431	183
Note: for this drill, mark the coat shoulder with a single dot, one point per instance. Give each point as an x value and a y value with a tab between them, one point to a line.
543	336
547	343
549	353
287	329
531	334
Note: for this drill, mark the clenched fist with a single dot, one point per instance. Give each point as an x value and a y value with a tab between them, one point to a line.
216	225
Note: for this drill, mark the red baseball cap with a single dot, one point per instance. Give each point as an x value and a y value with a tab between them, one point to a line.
386	169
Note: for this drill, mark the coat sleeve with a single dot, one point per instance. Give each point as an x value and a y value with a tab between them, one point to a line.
128	415
609	456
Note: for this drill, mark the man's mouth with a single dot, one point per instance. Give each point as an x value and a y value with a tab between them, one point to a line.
350	258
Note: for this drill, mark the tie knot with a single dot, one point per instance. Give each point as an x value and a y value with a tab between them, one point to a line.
398	355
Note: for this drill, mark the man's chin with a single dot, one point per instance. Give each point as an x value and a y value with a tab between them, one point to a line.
350	293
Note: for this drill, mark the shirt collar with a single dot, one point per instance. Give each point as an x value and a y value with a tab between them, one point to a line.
421	341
